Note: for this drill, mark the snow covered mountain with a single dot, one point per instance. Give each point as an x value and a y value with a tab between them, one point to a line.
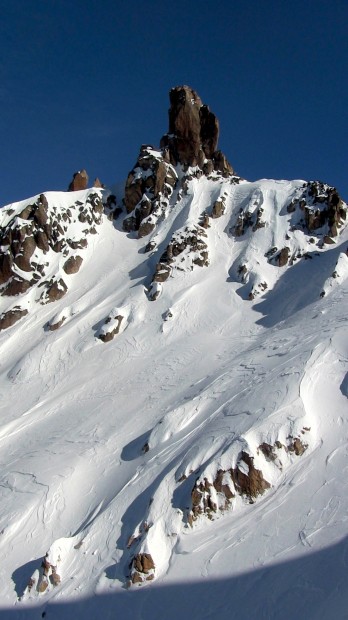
174	392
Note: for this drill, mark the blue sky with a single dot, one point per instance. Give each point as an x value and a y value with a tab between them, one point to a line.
83	84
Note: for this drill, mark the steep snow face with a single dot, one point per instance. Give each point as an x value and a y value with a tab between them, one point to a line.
183	410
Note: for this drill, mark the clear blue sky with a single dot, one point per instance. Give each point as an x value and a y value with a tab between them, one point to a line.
84	83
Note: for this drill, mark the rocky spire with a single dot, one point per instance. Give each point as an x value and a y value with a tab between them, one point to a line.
190	142
193	133
79	181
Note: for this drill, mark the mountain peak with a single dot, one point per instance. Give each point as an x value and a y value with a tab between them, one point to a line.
193	132
173	353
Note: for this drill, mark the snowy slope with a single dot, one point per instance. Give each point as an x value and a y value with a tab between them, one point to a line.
201	453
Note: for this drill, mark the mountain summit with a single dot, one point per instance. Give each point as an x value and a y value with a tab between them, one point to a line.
174	387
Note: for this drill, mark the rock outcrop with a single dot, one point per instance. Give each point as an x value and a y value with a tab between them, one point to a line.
186	249
111	326
148	189
211	495
244	479
79	181
9	318
191	142
193	133
36	238
142	568
310	220
323	210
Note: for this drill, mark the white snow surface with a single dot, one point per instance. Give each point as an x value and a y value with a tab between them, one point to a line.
197	376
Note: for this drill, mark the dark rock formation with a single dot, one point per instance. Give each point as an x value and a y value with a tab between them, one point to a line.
37	230
222	165
251	484
210	496
218	208
193	133
184	139
79	181
47	575
53	326
55	290
162	272
322	207
111	327
16	286
297	446
244	221
142	568
283	257
9	318
148	188
186	249
73	264
191	141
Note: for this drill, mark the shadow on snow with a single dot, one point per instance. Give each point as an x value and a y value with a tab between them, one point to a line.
311	587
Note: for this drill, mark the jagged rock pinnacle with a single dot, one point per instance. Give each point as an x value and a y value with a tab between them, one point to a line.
191	142
79	181
193	132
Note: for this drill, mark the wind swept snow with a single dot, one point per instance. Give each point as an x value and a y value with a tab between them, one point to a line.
200	452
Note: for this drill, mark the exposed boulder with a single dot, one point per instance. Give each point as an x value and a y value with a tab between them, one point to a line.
16	286
218	208
155	290
53	326
111	327
283	257
244	221
142	568
297	446
162	273
73	264
48	575
56	289
27	249
79	181
251	483
6	264
9	318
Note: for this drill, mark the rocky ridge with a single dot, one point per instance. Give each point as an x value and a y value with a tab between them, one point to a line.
182	203
42	245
